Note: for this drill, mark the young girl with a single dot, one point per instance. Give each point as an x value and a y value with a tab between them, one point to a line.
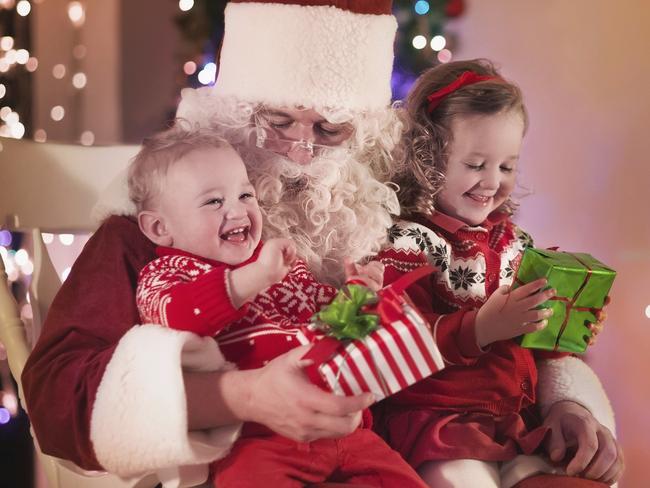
470	424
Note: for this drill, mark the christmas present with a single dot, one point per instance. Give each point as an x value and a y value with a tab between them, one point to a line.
372	343
582	283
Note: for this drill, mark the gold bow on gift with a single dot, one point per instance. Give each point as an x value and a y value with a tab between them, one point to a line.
343	318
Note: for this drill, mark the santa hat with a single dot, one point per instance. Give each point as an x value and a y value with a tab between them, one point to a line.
313	53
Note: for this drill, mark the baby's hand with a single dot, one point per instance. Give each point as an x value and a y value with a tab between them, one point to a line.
371	274
275	259
507	314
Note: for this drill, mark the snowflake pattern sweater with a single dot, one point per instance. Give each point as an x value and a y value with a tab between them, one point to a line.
472	263
186	292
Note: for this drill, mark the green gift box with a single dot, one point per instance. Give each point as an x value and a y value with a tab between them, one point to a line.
582	283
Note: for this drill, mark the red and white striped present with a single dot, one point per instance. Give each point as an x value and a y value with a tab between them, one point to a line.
397	354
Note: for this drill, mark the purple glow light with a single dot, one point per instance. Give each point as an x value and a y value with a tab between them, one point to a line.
5	416
5	238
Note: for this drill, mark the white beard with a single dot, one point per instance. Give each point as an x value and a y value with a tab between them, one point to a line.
332	208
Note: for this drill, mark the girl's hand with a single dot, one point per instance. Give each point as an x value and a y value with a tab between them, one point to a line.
597	327
371	274
275	260
507	314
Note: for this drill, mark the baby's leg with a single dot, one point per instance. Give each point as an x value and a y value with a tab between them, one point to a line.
460	473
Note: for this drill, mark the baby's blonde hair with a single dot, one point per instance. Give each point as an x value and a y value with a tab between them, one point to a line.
158	153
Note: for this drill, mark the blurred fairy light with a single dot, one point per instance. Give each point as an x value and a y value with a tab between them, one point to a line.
5	238
57	113
421	7
21	257
189	68
3	90
40	135
66	239
444	56
419	42
17	130
22	56
47	237
5	416
4	112
10	402
23	8
76	13
6	43
438	43
185	5
79	51
79	80
647	311
87	138
208	74
32	64
58	71
7	4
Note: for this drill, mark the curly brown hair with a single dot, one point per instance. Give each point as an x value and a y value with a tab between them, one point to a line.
420	173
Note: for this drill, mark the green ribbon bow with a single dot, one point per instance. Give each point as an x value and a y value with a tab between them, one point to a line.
343	318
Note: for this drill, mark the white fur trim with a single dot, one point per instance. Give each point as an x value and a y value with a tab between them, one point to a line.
316	56
139	420
114	200
571	379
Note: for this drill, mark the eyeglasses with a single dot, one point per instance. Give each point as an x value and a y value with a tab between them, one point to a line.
297	140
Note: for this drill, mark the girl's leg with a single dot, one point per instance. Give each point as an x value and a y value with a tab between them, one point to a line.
459	473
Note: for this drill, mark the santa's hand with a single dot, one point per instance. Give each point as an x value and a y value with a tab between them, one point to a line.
371	274
275	259
597	454
283	399
507	314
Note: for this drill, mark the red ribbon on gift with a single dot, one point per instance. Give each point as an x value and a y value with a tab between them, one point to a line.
570	303
390	308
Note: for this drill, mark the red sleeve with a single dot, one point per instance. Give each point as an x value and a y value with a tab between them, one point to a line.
203	306
454	333
93	310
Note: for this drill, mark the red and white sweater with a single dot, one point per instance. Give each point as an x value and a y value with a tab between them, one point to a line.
471	262
187	292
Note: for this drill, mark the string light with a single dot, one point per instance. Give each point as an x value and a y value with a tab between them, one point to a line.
47	237
58	71
3	90
444	56
65	273
5	238
57	113
6	43
419	42
189	68
87	138
76	13
185	5
438	43
32	64
5	416
40	135
421	7
208	74
647	311
79	80
22	56
23	8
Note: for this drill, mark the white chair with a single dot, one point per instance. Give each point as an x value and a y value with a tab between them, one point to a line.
51	188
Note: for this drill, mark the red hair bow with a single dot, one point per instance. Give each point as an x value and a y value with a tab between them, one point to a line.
466	78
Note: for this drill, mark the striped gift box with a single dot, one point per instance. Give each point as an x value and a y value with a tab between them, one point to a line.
399	353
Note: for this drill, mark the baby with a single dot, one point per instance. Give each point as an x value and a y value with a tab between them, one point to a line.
215	277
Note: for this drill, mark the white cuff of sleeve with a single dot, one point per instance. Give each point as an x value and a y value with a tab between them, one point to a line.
570	378
139	419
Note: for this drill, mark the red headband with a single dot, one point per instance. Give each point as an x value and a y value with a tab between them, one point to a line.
466	78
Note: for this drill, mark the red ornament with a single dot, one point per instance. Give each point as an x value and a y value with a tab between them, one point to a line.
454	8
